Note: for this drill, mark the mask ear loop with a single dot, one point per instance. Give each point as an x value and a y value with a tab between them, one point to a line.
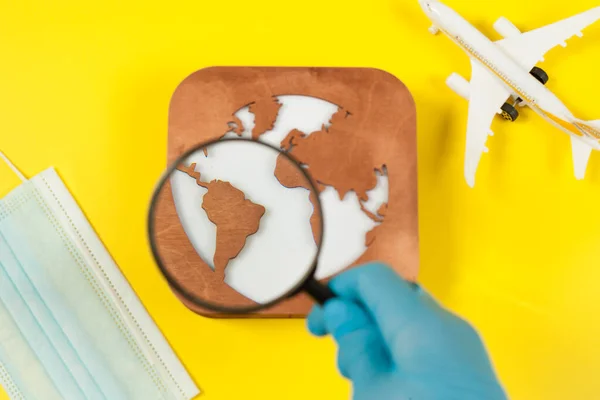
12	167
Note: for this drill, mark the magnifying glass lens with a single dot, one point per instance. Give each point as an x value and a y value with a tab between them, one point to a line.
235	225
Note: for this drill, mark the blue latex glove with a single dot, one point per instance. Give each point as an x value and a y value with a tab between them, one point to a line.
395	342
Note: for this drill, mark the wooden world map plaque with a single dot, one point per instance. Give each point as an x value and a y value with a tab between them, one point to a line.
370	133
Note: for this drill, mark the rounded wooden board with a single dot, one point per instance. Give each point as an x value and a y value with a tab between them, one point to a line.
383	115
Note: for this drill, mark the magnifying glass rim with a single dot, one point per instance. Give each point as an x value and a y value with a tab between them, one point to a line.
175	285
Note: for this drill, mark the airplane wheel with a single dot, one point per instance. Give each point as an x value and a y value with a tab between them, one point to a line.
540	75
509	112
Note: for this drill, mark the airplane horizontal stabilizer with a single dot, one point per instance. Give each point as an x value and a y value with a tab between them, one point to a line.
581	156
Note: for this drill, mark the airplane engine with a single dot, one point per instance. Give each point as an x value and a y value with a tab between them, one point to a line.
506	28
459	85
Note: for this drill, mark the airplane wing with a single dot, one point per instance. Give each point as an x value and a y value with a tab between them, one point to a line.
581	156
530	47
487	95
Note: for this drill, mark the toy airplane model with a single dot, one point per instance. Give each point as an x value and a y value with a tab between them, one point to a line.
504	75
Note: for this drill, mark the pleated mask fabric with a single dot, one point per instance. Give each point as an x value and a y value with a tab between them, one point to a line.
71	327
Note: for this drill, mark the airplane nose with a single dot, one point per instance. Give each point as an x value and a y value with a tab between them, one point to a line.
425	5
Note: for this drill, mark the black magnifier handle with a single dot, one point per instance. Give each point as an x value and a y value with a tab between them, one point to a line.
318	291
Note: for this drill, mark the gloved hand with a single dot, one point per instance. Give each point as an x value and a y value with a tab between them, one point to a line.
396	343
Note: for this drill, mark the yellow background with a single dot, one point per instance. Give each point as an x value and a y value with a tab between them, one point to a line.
85	88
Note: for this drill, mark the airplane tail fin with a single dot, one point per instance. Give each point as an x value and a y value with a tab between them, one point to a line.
595	124
591	127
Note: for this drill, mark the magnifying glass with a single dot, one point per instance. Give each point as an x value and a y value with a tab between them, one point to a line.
235	226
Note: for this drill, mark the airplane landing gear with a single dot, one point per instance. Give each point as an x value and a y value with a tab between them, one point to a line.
540	75
434	30
509	112
519	103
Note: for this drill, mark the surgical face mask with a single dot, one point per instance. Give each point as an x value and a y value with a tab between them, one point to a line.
70	325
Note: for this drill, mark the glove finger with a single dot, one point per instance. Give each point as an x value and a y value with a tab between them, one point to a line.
392	302
361	351
316	322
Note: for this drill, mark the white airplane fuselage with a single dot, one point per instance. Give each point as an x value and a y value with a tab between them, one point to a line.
507	70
